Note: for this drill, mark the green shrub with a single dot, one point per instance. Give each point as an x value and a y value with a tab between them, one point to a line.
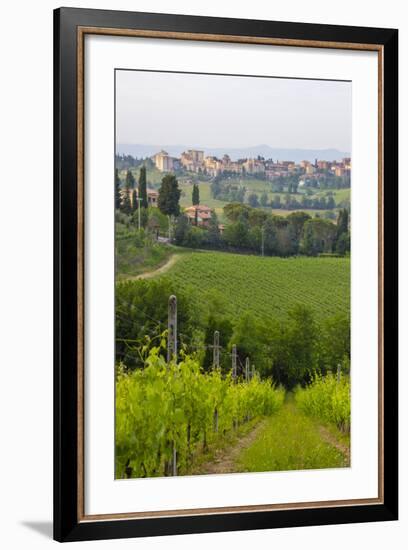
328	399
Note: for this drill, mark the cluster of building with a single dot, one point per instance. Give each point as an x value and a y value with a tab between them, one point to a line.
337	168
195	161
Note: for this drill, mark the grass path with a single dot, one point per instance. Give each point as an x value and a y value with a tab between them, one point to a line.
159	271
288	440
224	459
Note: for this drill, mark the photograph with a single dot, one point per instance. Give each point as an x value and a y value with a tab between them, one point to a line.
233	237
225	273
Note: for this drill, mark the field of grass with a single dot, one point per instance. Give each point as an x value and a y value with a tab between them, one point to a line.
252	184
341	195
268	287
290	440
205	195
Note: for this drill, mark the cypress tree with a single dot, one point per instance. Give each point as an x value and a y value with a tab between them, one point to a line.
169	196
134	201
130	180
118	198
143	187
342	222
129	185
341	243
195	195
126	204
342	226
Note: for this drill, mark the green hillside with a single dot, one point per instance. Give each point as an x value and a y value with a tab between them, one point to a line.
258	186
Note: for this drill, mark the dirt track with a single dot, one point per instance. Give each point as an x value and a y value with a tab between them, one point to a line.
162	269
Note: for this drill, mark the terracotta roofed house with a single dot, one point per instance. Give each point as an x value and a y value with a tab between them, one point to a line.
203	215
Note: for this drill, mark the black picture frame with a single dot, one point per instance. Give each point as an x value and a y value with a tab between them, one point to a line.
67	525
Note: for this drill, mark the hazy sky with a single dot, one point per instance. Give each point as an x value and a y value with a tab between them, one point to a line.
231	111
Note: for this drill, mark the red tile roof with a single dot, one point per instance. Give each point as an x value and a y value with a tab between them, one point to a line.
199	208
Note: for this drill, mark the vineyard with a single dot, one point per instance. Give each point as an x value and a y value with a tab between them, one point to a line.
166	413
247	381
268	287
173	419
327	398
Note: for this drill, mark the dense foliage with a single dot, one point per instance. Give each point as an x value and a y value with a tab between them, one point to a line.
166	408
252	230
141	317
169	196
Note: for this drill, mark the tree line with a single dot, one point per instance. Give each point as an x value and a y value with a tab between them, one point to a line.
232	192
290	202
256	231
289	351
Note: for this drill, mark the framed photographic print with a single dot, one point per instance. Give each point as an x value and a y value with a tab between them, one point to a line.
225	274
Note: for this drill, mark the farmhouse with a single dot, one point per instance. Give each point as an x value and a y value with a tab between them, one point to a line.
198	214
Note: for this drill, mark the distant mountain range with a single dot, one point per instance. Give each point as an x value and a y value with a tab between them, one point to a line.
142	151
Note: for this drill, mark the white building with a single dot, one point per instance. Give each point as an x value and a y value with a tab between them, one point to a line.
163	161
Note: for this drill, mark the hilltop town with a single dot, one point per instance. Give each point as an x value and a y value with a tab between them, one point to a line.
201	201
319	186
195	161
